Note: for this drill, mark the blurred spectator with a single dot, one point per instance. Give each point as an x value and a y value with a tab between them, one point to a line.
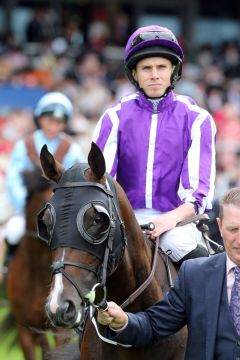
231	60
43	26
51	115
205	55
215	96
213	75
19	124
6	209
35	28
98	34
73	34
227	119
120	27
93	95
233	92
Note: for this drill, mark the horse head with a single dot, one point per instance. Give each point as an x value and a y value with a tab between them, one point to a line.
83	228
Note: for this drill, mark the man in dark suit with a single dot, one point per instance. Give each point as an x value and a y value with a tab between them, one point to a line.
204	297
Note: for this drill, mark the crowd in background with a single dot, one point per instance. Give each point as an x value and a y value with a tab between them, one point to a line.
87	67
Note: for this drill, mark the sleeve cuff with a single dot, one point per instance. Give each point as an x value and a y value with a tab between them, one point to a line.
120	329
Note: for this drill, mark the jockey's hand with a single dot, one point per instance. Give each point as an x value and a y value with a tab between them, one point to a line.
113	316
163	223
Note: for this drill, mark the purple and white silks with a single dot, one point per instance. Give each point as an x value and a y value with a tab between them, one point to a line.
161	157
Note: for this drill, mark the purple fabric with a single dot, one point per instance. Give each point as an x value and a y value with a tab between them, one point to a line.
124	136
235	300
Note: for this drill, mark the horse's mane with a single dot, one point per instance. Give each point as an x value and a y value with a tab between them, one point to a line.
35	181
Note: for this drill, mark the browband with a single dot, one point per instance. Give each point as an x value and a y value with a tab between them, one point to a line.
70	184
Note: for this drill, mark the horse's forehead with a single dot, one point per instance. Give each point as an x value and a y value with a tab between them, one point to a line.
75	173
69	204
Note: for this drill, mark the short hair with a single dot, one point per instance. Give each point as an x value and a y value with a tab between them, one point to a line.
231	197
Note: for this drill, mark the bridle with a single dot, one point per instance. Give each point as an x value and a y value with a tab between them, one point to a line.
117	235
103	270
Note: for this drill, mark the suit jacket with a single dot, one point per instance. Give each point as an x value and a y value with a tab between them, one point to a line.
193	301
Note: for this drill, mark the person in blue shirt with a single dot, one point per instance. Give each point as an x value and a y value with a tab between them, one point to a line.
52	114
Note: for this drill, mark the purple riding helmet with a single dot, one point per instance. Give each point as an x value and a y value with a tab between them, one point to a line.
151	41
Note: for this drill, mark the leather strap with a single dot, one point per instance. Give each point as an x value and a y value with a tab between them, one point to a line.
63	148
59	154
145	284
31	150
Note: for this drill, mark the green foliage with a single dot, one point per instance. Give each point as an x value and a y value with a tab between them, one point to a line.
9	349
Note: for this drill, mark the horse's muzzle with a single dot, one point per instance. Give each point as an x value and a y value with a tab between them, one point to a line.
66	315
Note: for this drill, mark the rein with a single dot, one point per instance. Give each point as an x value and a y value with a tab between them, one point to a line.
145	284
129	300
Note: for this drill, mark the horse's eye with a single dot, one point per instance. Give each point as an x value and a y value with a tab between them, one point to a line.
47	218
98	218
93	222
46	221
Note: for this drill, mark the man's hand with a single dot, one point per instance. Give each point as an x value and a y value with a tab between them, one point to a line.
114	316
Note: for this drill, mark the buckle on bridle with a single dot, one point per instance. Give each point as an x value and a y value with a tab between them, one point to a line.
91	297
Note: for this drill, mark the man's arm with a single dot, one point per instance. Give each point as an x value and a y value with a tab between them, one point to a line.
160	320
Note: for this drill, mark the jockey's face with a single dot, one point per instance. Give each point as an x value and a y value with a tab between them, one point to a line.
153	75
51	126
229	226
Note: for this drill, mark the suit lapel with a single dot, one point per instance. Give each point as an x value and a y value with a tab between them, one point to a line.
215	275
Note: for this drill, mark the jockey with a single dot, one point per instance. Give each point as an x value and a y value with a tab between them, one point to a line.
52	114
159	145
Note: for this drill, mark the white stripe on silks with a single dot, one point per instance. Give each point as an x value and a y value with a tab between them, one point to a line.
111	145
129	97
150	161
185	194
97	129
213	169
195	152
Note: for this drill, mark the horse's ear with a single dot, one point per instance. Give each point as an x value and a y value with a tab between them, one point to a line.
51	168
96	161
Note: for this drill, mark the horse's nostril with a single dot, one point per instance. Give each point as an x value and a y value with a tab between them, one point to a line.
69	308
67	314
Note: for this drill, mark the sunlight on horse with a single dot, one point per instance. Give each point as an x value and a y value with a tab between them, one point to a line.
99	250
28	280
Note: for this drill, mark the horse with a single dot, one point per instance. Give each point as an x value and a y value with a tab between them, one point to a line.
28	279
99	251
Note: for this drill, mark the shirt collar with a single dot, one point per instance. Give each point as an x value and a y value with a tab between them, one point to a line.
164	102
230	265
